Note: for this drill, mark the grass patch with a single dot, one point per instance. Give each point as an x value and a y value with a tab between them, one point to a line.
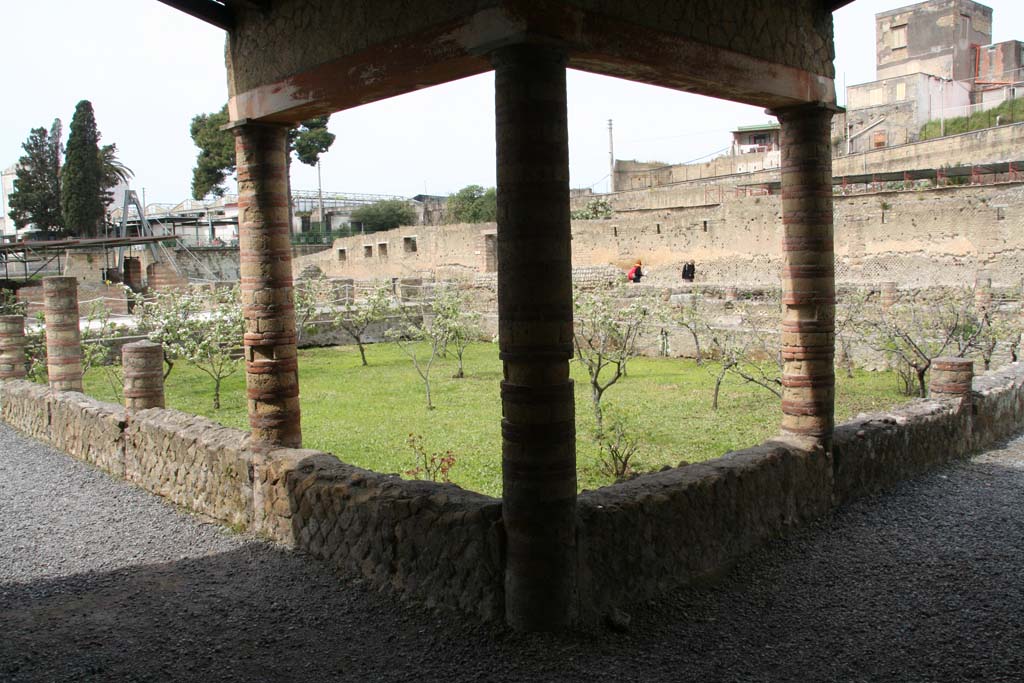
364	415
1009	111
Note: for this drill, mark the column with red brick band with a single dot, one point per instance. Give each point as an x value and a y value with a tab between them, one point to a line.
63	339
143	364
951	378
535	337
265	254
808	278
12	347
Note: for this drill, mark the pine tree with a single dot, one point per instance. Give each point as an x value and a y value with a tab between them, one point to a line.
216	159
216	153
36	197
82	177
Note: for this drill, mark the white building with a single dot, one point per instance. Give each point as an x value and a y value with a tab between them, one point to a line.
6	189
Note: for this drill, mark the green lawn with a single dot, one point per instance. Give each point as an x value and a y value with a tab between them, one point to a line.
365	415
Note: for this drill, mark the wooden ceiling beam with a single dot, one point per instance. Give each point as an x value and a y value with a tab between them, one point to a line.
209	11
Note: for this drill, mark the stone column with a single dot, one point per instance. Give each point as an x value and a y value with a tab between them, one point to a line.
12	347
808	278
265	255
410	289
982	292
888	296
63	339
535	333
951	378
143	363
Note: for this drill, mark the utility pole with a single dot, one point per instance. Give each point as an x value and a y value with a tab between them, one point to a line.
611	159
942	107
320	193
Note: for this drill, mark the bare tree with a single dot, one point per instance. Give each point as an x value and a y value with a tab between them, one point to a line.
605	334
748	350
913	333
355	319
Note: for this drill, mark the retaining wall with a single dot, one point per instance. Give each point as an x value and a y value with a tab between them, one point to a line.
443	545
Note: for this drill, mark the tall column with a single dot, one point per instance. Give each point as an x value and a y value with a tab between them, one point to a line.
143	363
265	254
808	278
535	337
12	347
63	339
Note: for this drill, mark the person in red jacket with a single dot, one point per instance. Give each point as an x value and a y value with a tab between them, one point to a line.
636	272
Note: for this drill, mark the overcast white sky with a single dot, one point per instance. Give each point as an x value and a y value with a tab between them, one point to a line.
148	69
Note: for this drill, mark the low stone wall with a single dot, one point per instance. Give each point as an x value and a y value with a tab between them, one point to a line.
433	541
444	545
640	538
193	462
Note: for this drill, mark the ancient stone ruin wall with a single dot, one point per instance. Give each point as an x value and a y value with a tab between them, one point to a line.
940	237
652	186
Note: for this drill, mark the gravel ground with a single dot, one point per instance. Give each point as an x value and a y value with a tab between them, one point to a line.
100	581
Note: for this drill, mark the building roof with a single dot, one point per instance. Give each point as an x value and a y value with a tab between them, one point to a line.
757	127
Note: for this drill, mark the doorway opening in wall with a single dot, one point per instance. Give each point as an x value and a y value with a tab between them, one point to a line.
342	255
382	251
409	245
368	251
491	253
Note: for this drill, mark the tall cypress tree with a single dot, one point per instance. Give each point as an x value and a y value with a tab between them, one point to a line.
82	176
36	197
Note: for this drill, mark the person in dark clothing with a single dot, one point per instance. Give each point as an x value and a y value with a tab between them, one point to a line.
635	273
688	271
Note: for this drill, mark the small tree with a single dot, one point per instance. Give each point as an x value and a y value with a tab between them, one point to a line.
97	352
473	204
595	208
311	294
604	336
204	328
9	304
748	351
459	326
355	319
915	332
384	215
849	319
617	443
411	337
692	317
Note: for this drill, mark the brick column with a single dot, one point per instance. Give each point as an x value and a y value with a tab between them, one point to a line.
12	347
951	378
535	333
63	339
982	293
889	295
143	363
265	254
808	277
